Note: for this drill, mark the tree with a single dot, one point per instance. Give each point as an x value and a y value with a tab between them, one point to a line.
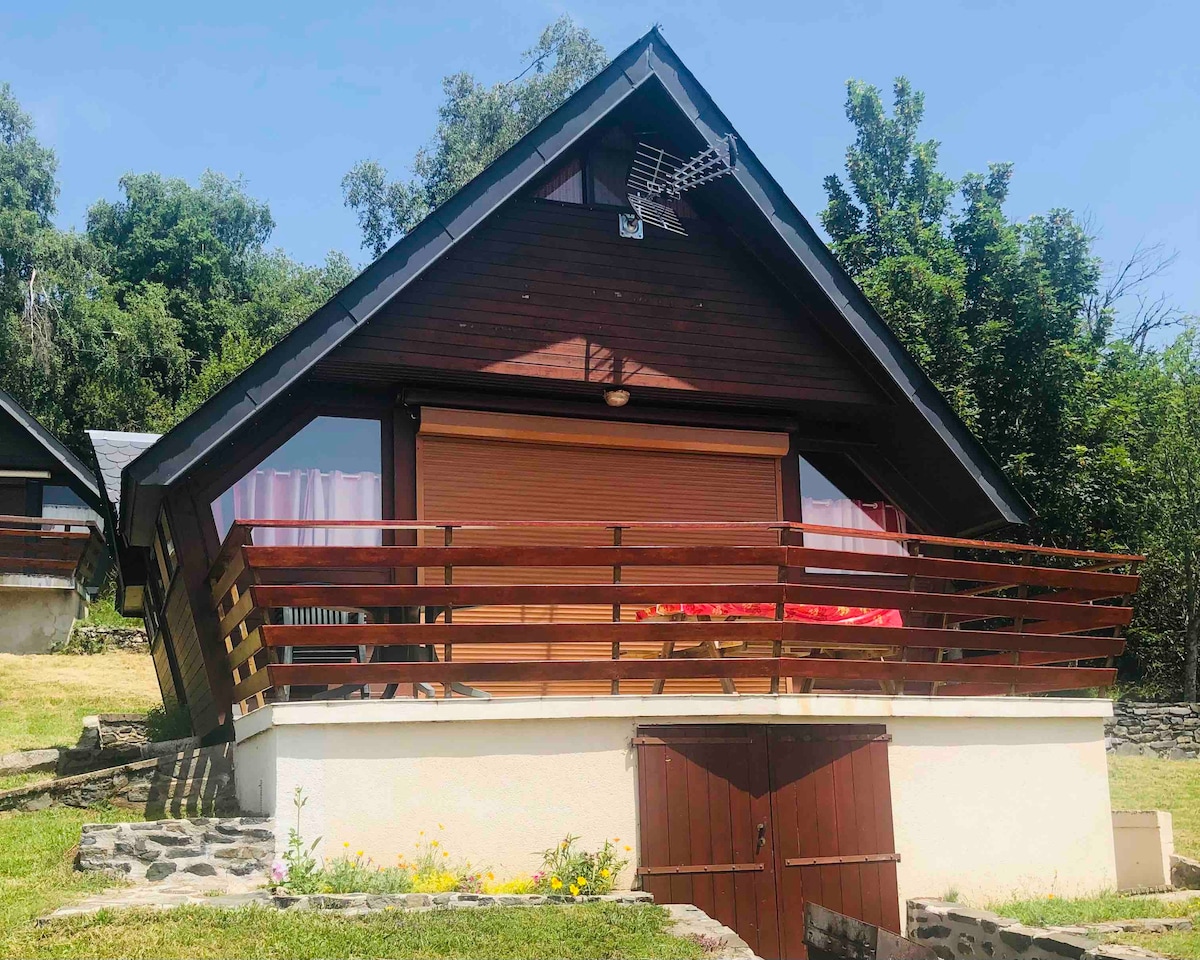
476	124
28	192
993	309
197	242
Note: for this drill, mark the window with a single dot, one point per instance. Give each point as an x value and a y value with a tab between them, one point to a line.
566	185
330	470
164	553
835	494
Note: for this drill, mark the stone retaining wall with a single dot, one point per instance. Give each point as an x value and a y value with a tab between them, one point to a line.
192	781
90	638
202	847
1168	730
359	903
955	932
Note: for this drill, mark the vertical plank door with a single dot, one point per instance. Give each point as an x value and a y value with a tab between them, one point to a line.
832	811
706	834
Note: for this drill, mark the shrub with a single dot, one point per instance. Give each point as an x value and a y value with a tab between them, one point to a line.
515	885
567	870
169	723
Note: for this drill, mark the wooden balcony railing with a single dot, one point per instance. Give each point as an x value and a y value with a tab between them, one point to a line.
41	546
558	601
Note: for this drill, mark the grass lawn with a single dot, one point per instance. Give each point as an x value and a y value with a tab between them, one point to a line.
36	877
44	698
1147	783
586	931
1056	912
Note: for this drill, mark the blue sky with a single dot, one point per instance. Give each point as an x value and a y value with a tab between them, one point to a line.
1095	102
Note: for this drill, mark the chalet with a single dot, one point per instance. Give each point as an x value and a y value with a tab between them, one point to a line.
53	556
604	503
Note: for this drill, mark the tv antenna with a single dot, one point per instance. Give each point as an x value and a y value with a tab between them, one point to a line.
657	178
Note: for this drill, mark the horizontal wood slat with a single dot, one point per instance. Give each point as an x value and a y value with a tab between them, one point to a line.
816	635
731	668
516	555
1100	561
1082	616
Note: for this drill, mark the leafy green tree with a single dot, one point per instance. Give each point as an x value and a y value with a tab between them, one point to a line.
198	242
1169	605
993	309
476	123
28	192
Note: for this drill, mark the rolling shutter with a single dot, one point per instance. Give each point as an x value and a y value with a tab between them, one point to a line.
464	477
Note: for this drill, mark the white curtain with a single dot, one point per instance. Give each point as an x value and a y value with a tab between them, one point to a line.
853	515
309	495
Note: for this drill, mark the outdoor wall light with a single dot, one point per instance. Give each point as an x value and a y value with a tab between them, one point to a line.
616	398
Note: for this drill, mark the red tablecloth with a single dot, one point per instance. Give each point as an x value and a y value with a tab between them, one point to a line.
801	612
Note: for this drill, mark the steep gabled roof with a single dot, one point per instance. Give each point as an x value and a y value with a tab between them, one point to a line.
78	477
785	240
114	451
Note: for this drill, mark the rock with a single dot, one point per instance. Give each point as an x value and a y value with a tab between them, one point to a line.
1185	873
201	869
28	761
160	870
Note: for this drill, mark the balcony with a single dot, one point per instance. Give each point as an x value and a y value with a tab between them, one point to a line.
470	608
64	550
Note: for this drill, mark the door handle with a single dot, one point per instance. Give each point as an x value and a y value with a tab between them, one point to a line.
762	836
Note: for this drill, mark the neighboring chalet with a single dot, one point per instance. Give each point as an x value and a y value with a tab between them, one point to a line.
604	503
53	556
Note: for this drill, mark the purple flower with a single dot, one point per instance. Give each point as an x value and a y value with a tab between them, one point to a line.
278	871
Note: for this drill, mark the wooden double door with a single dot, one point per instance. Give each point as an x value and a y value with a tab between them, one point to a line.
750	822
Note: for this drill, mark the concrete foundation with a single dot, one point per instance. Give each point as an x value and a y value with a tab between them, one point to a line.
990	796
37	612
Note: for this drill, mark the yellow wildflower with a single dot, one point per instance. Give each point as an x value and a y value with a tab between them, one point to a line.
582	881
445	854
555	883
628	848
346	843
422	833
616	839
564	844
574	890
491	876
440	827
606	873
359	853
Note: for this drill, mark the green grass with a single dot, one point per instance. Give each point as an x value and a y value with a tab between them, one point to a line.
1056	912
104	614
36	874
584	931
14	780
1185	944
44	698
1147	783
36	851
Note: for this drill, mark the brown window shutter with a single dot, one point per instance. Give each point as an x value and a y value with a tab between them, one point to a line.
469	478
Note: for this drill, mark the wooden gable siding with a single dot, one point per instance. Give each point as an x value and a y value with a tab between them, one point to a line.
193	671
162	670
549	290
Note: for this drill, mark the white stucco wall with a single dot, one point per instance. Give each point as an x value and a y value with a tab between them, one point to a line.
989	796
